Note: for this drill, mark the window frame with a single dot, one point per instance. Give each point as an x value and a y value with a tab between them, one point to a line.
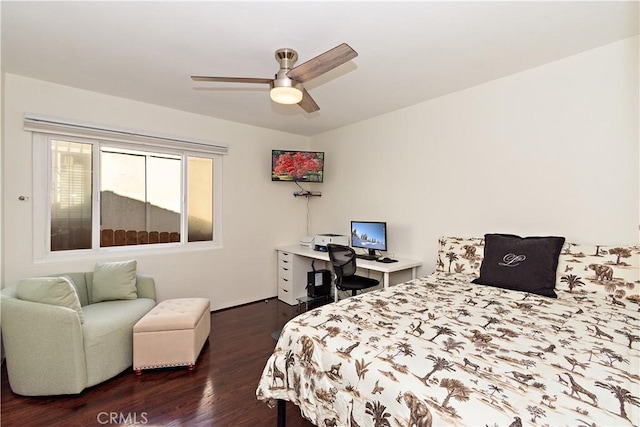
42	181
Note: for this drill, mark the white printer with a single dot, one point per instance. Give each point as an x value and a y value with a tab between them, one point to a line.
307	241
322	240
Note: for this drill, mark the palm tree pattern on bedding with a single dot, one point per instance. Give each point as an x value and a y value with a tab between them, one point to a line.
444	352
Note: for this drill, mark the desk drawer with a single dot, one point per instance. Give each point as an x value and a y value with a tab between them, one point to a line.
283	263
285	291
284	283
285	256
285	272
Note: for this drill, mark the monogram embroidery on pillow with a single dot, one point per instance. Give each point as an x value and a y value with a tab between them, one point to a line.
512	260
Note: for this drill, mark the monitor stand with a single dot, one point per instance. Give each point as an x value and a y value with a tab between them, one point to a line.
371	256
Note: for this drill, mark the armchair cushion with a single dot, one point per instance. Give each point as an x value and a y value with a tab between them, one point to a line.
114	281
50	290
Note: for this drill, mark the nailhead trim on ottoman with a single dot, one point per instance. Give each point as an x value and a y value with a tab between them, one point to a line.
171	334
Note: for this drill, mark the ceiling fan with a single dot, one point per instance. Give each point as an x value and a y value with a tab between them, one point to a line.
286	87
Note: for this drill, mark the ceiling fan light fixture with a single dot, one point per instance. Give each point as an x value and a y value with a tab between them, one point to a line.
286	94
287	86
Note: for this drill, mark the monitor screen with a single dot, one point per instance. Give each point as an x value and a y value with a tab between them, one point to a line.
300	166
369	235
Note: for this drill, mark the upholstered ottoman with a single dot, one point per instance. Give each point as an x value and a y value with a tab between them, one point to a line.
171	334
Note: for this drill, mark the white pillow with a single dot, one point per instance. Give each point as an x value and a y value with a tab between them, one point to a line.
114	281
605	270
50	290
460	255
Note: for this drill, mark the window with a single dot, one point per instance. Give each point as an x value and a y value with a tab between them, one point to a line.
199	181
140	194
103	195
71	201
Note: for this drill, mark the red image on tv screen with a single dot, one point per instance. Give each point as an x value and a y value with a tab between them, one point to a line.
301	166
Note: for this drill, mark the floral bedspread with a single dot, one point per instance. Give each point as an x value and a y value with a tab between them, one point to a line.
444	352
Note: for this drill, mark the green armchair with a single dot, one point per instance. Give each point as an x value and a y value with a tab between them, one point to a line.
50	351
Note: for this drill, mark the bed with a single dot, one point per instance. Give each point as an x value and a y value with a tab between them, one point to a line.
444	351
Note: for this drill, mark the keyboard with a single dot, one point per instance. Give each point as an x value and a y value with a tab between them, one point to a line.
387	260
367	257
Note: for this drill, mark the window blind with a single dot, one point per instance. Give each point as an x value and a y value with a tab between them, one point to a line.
44	124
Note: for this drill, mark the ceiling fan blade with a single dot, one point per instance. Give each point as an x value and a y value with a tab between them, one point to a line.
230	79
307	103
322	63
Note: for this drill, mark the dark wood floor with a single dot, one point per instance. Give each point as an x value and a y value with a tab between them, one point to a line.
219	392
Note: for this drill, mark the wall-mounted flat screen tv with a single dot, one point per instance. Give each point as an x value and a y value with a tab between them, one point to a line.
299	166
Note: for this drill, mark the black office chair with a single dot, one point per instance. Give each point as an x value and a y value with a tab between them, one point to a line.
343	260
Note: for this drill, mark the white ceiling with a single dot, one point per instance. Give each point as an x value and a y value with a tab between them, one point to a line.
409	52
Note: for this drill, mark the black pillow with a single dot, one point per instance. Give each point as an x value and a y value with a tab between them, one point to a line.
525	264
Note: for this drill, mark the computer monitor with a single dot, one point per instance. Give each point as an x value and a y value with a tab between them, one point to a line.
369	235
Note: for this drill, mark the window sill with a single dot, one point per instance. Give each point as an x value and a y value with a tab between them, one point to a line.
127	251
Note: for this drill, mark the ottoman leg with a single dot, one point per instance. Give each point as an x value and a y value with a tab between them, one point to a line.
138	372
191	367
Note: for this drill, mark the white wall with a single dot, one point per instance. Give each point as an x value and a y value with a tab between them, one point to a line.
552	150
258	214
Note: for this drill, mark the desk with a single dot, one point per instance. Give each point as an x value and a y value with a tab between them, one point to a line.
295	261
